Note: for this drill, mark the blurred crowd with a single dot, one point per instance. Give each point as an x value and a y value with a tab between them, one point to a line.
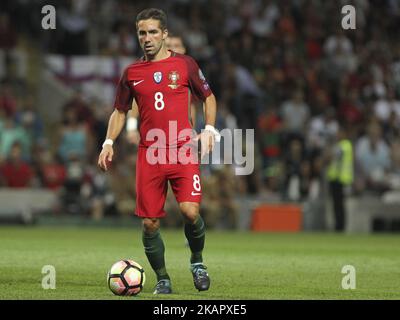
285	68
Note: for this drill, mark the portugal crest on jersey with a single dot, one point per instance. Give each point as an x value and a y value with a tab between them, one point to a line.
174	77
157	76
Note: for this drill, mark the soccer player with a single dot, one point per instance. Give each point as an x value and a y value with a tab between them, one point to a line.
161	83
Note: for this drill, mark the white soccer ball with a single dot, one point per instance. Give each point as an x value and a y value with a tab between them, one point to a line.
126	278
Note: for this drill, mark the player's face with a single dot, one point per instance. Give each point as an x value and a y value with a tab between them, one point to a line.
175	44
151	37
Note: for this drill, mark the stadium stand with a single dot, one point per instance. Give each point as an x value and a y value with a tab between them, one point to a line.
285	68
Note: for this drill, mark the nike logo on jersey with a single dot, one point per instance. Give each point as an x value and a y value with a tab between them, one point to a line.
135	83
196	193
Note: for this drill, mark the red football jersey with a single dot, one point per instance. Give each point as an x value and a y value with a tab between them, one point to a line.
162	90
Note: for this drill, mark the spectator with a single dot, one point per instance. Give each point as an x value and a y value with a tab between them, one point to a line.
264	21
295	115
82	108
351	113
196	38
8	102
373	159
97	199
8	34
211	211
338	44
15	171
296	171
122	182
74	138
340	58
29	119
228	187
12	133
383	107
269	135
75	187
74	26
52	174
322	130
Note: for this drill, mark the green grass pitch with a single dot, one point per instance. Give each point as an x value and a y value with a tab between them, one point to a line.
242	265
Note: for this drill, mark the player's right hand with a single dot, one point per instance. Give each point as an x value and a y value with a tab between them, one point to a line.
105	157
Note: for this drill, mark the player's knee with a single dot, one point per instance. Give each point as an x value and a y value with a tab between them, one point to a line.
190	212
150	225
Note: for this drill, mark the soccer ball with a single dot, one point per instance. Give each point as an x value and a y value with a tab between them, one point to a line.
126	278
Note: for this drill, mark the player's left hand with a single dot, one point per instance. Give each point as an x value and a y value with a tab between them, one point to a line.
207	141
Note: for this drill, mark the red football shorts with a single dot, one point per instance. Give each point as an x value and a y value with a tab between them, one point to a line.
152	184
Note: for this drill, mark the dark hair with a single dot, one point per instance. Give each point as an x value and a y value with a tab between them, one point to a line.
153	13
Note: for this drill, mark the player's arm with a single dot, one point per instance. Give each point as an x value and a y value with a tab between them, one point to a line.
200	88
132	132
115	125
210	110
210	134
122	104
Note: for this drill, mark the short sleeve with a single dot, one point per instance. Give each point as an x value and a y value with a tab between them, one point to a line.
197	82
124	95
